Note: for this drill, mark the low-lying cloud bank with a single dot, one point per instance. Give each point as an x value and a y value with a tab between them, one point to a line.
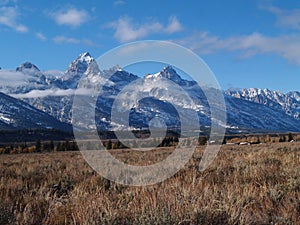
53	92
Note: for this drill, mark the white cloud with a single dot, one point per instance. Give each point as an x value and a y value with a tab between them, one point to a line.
41	36
71	17
133	49
44	93
126	31
21	28
9	17
53	92
5	2
174	25
119	2
286	18
88	42
12	78
286	46
64	39
70	40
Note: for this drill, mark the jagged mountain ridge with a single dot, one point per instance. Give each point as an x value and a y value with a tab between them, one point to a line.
289	102
18	115
52	92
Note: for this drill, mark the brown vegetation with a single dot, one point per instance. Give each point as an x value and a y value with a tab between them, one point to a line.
257	184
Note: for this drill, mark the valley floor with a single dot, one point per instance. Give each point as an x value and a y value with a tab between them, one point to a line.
257	184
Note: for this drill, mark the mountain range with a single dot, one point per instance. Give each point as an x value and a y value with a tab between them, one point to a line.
35	99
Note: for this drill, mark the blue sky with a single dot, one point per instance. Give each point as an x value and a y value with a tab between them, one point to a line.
249	43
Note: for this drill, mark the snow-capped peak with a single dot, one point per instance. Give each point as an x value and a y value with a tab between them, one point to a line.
289	103
117	68
85	57
170	73
27	66
81	63
111	71
168	69
294	94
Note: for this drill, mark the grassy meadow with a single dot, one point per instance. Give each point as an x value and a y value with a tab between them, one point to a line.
255	184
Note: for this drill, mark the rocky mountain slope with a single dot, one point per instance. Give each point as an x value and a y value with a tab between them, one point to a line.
289	102
18	115
52	92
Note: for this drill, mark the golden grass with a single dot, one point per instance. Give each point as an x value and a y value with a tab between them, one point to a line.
245	185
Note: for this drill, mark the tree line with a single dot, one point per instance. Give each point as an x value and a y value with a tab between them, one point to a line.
71	145
38	146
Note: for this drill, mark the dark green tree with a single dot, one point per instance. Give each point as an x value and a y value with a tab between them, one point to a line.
52	147
290	137
202	140
67	145
282	138
109	145
73	146
59	147
38	146
47	146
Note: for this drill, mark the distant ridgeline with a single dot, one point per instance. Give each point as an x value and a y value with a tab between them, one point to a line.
37	105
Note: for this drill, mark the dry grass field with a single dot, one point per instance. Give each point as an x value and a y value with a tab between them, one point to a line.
257	184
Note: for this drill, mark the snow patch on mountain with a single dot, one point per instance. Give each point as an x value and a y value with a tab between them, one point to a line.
27	67
16	114
80	64
289	102
53	91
